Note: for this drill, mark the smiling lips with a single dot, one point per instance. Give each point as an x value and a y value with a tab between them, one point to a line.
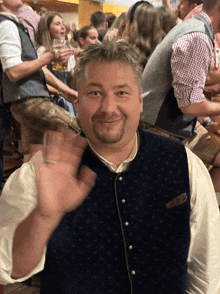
107	121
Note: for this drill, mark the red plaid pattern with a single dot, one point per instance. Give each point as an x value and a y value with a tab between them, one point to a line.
191	57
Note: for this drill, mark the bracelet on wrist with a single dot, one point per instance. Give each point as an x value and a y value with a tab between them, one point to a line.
206	122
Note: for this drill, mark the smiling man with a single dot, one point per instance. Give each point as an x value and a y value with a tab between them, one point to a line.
132	212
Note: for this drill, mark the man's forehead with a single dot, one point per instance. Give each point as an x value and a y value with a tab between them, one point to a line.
109	69
102	64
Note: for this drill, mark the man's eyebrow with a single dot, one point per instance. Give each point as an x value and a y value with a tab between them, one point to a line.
94	85
122	86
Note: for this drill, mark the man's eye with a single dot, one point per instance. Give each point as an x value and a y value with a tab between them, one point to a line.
122	93
94	93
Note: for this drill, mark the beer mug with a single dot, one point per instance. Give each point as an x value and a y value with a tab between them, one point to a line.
61	65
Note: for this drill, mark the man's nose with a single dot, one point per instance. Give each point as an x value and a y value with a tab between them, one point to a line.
108	104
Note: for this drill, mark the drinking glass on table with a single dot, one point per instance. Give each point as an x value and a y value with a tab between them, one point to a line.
61	65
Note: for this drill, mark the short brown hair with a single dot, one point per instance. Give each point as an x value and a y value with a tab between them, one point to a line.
119	51
98	19
209	4
197	2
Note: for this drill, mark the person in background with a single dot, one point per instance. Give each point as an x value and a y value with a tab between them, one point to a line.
98	21
51	27
147	29
119	211
23	78
185	9
174	79
110	20
29	19
117	29
188	8
87	35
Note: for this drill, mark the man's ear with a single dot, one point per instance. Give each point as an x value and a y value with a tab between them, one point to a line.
76	103
193	5
106	25
81	40
141	102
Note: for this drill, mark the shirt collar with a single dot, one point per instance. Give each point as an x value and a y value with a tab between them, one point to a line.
10	15
124	165
207	18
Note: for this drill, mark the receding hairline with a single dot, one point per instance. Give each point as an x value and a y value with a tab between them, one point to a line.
110	62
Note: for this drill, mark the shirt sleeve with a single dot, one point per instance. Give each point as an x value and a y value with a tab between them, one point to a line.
10	45
204	251
18	199
41	51
71	62
191	57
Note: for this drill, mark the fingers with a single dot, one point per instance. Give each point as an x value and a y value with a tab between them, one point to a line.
52	145
61	53
72	148
65	148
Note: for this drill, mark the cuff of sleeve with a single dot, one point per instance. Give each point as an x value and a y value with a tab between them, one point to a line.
208	121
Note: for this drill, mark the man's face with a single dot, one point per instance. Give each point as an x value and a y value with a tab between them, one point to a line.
184	8
109	104
92	38
11	5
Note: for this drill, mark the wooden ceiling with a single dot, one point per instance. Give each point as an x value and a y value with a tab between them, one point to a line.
53	5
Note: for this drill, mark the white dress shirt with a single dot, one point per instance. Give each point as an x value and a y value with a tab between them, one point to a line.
10	42
19	198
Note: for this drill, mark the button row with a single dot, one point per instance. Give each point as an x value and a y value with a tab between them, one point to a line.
127	224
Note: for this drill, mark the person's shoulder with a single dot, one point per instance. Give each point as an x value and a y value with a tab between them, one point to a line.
159	142
7	25
8	29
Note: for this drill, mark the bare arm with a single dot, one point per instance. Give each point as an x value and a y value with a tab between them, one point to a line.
166	3
213	77
204	108
53	81
27	68
55	185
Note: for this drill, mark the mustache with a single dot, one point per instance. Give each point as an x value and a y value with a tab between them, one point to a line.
105	117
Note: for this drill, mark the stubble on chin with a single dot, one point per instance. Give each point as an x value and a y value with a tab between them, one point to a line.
105	136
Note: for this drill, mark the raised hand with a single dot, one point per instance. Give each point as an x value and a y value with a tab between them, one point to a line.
62	185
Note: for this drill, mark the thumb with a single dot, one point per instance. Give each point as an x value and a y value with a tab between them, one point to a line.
86	179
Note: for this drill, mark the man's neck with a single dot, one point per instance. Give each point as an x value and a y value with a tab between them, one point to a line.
115	153
3	8
214	17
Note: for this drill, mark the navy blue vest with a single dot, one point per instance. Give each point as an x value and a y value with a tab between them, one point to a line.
31	86
124	239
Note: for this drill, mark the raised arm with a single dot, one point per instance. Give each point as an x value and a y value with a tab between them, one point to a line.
58	176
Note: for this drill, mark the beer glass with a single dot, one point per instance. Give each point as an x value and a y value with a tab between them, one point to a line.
60	65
